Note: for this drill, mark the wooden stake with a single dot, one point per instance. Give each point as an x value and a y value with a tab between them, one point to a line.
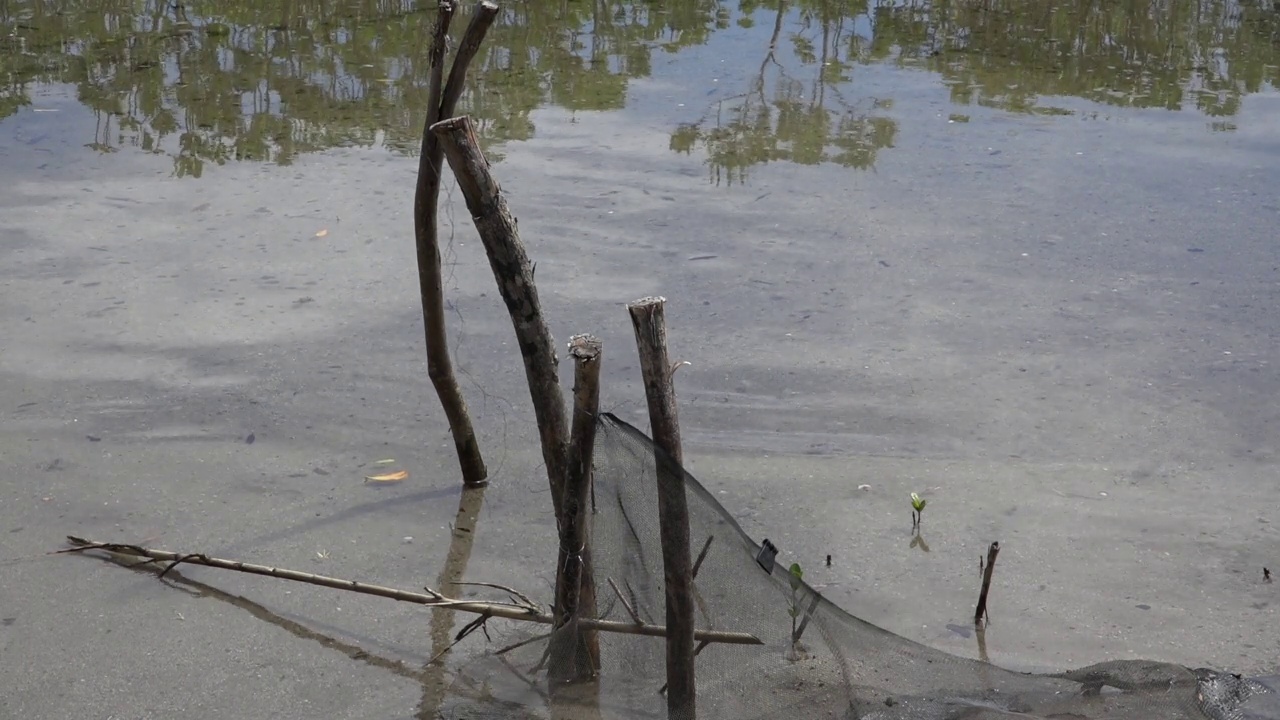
648	319
440	103
508	610
579	655
981	612
514	275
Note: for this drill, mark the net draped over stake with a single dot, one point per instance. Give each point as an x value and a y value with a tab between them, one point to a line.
769	646
828	664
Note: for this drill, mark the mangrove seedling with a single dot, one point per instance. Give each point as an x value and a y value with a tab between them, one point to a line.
796	578
917	509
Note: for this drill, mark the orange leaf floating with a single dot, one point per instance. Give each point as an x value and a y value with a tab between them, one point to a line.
388	478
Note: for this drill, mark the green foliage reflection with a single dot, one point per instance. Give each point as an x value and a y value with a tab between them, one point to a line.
799	115
217	80
1008	54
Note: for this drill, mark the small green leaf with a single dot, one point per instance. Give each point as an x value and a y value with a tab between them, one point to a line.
796	575
918	502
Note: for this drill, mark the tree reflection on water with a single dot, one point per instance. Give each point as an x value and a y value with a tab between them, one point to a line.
219	80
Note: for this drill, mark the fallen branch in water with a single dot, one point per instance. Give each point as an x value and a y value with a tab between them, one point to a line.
511	611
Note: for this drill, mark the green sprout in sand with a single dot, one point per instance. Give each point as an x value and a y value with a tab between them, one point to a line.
796	578
917	509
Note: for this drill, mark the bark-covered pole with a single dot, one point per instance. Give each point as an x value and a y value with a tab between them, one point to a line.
514	275
648	320
441	100
579	650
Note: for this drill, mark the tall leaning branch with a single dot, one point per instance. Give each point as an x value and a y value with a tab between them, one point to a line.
514	275
440	103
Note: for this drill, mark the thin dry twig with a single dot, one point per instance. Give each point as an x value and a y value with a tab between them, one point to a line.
980	614
696	650
630	610
515	593
522	643
702	556
527	680
431	598
676	366
462	635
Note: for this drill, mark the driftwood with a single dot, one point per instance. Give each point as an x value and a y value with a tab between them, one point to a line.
441	100
514	274
648	319
981	612
520	609
576	656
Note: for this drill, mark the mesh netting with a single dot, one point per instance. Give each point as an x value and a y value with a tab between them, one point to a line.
816	660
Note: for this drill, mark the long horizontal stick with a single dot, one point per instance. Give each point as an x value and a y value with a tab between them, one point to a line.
510	611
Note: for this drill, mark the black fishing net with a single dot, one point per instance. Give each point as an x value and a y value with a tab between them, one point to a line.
815	660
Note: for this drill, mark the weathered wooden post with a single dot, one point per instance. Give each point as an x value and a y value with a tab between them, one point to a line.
579	650
647	318
514	275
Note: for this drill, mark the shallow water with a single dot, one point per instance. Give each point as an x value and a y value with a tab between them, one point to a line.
1018	257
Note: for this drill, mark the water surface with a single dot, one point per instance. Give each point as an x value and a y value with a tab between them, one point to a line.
1019	257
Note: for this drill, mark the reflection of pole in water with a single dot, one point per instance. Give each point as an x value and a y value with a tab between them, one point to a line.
434	683
981	634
